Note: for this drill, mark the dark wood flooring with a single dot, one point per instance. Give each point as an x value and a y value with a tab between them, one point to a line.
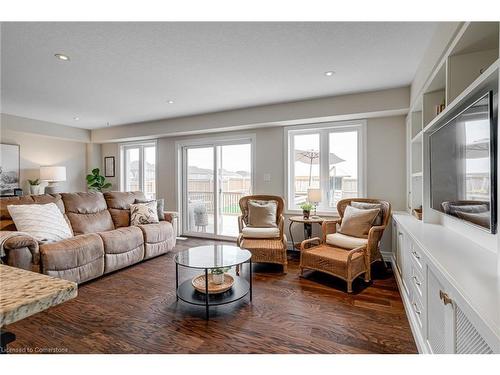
134	310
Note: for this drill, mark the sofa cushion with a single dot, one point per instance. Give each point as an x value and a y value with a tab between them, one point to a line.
90	223
345	242
262	214
154	233
251	232
160	206
122	247
158	238
45	222
77	259
118	203
87	212
6	222
357	222
143	213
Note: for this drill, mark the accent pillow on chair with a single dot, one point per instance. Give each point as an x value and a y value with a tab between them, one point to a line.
143	213
45	222
370	206
357	222
262	214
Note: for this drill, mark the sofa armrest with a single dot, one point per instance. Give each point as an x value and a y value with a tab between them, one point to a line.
170	215
21	251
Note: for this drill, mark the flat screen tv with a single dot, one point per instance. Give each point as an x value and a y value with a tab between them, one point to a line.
463	163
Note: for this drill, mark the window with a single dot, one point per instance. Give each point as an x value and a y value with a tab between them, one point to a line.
326	157
139	168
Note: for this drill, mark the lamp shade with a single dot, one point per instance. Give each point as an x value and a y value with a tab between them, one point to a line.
53	174
314	195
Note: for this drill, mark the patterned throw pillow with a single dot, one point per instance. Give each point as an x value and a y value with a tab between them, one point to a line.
45	222
143	213
160	206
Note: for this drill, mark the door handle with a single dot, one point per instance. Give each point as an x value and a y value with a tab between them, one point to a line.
416	308
417	282
445	298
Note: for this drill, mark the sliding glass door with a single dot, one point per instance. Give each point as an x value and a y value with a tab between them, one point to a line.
215	177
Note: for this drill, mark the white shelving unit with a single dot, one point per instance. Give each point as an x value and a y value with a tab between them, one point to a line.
440	254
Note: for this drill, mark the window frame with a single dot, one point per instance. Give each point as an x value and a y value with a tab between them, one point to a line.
324	129
123	161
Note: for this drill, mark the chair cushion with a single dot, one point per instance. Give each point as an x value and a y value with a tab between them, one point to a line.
252	232
262	214
345	242
370	206
357	222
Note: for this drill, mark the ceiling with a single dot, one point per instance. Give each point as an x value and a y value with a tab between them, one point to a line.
122	73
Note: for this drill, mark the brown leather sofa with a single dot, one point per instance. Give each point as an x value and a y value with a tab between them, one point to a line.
103	239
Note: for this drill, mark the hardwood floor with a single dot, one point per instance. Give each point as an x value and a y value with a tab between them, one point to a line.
134	310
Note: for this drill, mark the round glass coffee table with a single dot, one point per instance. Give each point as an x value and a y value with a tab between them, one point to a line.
209	258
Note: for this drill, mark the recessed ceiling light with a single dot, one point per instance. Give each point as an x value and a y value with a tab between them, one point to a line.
329	73
170	102
62	57
76	118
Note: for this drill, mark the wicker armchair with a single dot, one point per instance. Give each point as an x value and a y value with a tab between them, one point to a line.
264	250
352	259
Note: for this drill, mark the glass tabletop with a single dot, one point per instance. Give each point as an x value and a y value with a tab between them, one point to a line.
212	256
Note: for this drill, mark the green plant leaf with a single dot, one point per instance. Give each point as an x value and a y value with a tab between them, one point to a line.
95	171
106	185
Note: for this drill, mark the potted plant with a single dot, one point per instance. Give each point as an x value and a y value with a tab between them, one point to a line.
96	182
306	209
218	274
35	186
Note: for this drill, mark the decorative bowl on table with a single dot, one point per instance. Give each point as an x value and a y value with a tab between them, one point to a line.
213	288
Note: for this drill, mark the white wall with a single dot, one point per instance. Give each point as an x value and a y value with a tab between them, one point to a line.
390	102
385	163
37	150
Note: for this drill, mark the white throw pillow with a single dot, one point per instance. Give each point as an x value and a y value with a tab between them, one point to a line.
45	222
143	213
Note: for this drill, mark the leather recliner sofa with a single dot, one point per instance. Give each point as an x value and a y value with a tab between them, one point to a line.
103	239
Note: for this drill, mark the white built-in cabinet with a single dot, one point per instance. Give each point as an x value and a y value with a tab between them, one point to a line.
447	271
444	315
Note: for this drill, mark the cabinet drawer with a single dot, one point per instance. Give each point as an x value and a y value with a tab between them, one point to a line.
416	256
417	282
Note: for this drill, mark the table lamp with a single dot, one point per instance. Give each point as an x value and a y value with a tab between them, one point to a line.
314	196
53	175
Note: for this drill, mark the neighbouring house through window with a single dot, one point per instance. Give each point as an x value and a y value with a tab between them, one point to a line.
139	168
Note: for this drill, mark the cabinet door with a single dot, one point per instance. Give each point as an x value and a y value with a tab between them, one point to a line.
439	335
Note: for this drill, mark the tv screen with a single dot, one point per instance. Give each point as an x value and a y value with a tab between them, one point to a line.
462	165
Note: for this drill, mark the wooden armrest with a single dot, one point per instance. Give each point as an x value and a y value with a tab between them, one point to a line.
281	225
361	249
304	244
375	235
329	227
241	223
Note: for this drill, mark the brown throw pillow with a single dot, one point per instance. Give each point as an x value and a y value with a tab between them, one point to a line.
262	214
357	222
370	206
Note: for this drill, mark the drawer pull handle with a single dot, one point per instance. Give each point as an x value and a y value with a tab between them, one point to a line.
416	281
416	309
445	298
415	254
